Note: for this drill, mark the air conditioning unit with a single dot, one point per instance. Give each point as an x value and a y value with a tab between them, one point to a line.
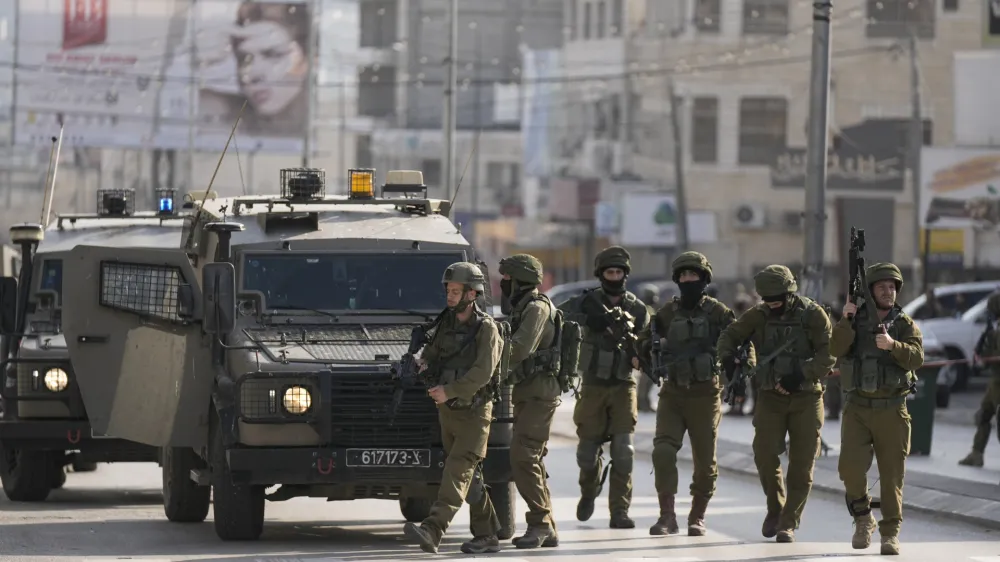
749	216
792	221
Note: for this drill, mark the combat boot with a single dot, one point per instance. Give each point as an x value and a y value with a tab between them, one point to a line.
667	523
696	519
864	526
770	526
481	545
890	545
536	536
975	458
427	537
585	509
621	520
786	535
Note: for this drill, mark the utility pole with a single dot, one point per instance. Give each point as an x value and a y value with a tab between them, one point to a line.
681	193
479	124
307	145
819	95
343	128
916	144
448	160
192	95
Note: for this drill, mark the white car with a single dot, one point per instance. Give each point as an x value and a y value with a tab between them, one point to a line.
935	351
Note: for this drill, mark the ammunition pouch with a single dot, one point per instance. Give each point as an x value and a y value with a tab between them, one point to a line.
859	507
541	362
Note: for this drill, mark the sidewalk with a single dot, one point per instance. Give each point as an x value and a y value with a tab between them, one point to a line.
934	483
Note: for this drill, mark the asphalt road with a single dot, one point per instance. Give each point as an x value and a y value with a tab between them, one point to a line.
115	514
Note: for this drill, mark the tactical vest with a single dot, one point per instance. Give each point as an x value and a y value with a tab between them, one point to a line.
689	351
598	356
458	351
777	331
541	361
868	368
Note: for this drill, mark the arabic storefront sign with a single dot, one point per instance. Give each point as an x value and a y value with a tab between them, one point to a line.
869	156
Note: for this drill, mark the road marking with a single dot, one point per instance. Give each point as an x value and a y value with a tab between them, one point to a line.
661	559
985	558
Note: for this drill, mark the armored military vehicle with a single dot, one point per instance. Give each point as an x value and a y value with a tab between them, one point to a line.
267	350
11	257
44	425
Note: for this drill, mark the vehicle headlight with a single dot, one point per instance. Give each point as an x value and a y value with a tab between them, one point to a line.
297	400
56	380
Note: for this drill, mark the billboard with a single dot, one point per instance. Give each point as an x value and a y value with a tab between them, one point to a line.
120	73
961	187
650	219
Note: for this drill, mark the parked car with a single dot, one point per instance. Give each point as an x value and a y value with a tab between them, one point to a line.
934	350
950	314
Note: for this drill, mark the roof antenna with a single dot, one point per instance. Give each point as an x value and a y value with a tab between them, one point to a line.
54	169
475	147
197	217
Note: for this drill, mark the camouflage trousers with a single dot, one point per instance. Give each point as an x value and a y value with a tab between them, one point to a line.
696	411
602	414
532	425
984	416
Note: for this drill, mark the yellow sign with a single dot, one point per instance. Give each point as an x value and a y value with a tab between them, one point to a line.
944	241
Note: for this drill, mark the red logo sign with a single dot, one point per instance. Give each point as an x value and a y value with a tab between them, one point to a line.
85	22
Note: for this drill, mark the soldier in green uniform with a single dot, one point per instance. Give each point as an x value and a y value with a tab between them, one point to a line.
534	359
649	294
463	356
688	328
988	346
791	336
881	348
606	409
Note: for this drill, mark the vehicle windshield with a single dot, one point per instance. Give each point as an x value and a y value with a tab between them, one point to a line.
404	281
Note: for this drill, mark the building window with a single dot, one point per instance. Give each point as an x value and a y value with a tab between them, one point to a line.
602	19
763	129
895	18
432	172
502	175
587	8
363	152
708	15
378	23
377	91
765	17
950	5
705	130
617	17
573	23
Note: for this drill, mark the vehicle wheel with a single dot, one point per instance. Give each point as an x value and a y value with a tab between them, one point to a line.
26	475
58	474
415	510
238	508
942	397
184	501
504	498
84	466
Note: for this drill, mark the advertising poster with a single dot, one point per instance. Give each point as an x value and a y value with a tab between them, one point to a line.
961	187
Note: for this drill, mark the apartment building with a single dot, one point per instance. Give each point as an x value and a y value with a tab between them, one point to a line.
400	95
740	70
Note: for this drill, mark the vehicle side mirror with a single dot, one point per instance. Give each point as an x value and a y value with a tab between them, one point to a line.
8	305
218	285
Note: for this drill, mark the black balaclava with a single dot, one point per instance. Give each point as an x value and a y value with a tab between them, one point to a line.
692	291
511	293
614	288
782	298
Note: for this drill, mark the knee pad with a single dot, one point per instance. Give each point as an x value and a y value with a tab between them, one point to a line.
622	452
587	453
664	452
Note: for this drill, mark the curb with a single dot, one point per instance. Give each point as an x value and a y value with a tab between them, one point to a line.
738	458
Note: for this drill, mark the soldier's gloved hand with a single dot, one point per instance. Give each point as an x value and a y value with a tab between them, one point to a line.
792	383
729	367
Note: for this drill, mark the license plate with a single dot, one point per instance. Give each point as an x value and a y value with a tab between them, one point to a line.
417	458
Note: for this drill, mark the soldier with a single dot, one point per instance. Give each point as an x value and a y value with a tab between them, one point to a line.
611	318
881	349
463	355
791	336
988	346
649	294
688	327
534	361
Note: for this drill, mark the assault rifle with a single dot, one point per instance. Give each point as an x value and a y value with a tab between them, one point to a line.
857	288
406	373
654	368
621	331
736	388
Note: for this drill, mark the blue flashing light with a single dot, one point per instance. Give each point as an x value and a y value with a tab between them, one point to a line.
166	205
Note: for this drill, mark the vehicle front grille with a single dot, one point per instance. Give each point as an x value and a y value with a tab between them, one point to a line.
360	407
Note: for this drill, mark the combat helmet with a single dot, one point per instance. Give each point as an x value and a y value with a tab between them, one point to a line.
614	256
467	274
523	268
694	261
775	280
882	271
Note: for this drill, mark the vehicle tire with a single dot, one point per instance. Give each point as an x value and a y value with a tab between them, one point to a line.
26	475
415	510
943	397
504	498
238	509
184	501
84	466
57	476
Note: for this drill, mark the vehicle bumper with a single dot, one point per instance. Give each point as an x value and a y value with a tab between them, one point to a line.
326	466
67	435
